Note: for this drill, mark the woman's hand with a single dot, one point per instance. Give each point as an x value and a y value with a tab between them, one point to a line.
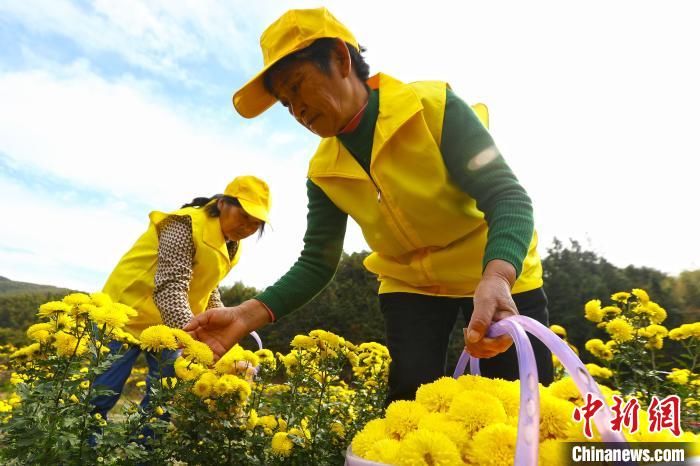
223	327
492	302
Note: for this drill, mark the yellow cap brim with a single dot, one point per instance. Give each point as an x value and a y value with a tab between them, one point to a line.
253	99
256	210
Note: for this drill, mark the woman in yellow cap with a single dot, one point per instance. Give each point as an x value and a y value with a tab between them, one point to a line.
173	271
450	227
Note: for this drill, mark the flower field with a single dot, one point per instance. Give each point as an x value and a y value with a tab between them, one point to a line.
308	405
248	407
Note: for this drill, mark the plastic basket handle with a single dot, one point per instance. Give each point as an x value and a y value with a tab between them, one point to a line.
527	445
257	339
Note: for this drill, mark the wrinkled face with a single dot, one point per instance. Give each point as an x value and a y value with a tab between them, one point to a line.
235	222
313	97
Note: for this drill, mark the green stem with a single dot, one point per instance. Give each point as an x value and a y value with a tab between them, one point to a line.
92	378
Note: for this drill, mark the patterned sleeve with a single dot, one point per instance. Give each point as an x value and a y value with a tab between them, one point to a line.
174	271
215	299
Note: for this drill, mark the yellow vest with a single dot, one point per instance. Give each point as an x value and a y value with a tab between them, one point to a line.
427	236
132	281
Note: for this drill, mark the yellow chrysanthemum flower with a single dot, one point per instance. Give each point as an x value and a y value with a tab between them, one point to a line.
198	352
611	310
383	451
83	309
653	330
474	410
251	358
281	444
641	295
425	447
224	384
203	386
65	322
267	358
598	349
53	308
508	393
593	311
41	333
100	299
402	417
68	345
439	422
330	340
187	370
126	310
611	345
597	371
437	396
338	429
657	314
474	382
108	315
26	351
620	330
125	337
251	420
679	376
620	296
552	452
16	379
558	330
644	434
565	389
240	389
169	382
555	416
76	299
373	432
267	422
182	337
291	361
303	342
494	445
158	338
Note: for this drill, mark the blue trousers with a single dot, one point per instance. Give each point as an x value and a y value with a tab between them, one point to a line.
116	376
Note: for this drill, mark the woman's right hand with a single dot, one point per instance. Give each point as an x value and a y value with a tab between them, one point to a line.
221	328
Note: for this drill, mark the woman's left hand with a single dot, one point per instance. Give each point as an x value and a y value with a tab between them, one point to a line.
492	302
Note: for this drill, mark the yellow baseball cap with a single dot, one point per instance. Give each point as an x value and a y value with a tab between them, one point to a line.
253	194
293	31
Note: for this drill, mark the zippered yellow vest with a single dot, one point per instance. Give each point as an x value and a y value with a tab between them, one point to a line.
426	235
133	279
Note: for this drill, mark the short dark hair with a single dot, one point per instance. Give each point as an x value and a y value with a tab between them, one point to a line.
319	53
212	208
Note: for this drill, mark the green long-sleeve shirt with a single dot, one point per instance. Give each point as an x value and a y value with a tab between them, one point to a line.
498	194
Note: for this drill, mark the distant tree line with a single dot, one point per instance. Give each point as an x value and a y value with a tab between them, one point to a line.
349	305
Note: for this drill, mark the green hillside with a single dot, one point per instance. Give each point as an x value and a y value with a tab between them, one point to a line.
19	302
11	287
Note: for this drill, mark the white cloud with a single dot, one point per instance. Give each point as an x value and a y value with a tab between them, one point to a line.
593	106
139	152
164	37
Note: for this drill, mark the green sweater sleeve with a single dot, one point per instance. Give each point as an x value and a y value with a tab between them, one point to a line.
323	246
478	168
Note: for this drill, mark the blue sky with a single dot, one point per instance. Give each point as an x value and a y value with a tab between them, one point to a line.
111	109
